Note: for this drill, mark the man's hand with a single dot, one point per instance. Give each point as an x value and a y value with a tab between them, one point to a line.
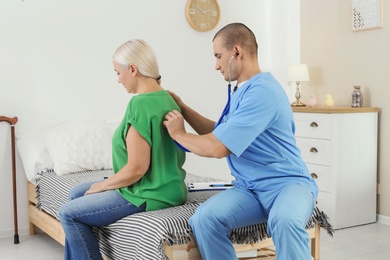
174	122
177	99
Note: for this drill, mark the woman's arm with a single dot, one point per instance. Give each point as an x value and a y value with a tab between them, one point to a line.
138	161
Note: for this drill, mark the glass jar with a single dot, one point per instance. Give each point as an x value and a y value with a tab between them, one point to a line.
357	97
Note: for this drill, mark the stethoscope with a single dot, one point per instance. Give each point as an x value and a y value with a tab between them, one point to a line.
227	106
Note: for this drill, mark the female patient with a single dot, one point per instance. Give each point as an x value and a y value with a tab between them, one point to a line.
147	164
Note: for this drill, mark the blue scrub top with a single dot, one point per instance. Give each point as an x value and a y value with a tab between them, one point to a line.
259	131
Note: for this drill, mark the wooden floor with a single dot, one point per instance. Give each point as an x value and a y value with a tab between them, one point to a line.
368	242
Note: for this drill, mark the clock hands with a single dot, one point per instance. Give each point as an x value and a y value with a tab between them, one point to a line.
209	10
203	11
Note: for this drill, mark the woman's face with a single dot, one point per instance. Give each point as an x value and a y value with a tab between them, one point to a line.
125	76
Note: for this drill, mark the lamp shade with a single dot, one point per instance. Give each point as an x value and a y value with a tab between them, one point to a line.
298	72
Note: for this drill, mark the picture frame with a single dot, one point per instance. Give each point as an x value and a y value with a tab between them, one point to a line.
367	14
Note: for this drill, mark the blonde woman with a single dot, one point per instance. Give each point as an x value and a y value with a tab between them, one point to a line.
147	164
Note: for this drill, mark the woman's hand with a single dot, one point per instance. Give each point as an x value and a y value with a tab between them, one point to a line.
96	188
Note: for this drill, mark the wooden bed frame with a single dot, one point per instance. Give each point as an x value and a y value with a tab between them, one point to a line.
52	227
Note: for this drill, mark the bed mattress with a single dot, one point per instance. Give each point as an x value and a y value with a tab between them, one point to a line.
142	235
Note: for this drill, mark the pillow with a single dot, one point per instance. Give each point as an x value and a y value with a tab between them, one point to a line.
33	153
80	147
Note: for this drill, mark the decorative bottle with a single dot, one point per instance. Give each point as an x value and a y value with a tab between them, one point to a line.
357	97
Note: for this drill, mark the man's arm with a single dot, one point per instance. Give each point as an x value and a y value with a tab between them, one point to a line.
206	145
199	123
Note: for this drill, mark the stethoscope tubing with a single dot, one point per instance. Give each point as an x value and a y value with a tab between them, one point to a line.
230	70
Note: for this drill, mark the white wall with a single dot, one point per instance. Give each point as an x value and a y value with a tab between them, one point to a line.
55	65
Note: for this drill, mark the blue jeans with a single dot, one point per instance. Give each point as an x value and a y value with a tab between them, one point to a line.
286	212
81	213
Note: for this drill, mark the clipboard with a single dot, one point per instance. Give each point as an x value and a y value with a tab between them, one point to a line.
202	186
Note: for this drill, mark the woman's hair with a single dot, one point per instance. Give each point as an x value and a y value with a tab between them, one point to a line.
238	34
139	53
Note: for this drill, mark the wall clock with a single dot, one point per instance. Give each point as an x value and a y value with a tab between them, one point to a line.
202	15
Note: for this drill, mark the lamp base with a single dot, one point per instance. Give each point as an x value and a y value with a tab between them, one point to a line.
298	103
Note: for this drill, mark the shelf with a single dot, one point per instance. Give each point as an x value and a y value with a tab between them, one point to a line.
334	110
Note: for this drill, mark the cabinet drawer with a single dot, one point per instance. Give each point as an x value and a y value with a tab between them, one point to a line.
321	174
316	151
313	125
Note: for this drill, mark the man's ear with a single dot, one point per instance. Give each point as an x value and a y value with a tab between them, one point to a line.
237	50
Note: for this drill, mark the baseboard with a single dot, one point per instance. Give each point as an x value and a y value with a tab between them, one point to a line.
383	219
23	231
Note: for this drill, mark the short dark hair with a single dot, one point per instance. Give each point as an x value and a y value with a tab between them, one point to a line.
238	34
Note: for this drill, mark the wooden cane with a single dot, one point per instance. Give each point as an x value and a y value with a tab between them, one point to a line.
12	122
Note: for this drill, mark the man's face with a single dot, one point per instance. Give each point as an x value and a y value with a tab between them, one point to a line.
223	56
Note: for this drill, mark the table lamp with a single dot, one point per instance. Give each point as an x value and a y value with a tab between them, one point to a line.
298	73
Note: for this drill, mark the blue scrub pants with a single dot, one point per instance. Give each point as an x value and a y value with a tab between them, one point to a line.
287	211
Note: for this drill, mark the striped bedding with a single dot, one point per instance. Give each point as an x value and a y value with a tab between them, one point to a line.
142	235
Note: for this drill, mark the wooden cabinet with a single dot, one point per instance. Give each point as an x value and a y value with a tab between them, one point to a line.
339	147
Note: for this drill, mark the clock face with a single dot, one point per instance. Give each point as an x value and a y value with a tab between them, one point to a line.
202	15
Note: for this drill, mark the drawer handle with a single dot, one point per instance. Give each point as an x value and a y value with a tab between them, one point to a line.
313	150
314	124
314	176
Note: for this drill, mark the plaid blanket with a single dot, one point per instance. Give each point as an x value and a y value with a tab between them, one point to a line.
142	235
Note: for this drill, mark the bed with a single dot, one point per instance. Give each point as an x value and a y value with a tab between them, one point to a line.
57	158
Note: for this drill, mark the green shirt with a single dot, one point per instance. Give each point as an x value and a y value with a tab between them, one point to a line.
163	184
